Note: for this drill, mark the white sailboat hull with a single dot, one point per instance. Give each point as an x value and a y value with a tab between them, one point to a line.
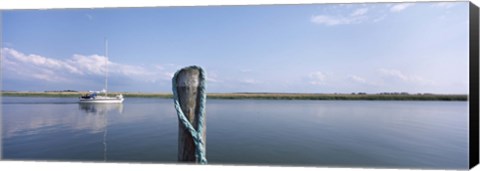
102	99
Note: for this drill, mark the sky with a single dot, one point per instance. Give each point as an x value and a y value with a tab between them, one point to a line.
320	48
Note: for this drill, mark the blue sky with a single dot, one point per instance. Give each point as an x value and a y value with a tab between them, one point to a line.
324	48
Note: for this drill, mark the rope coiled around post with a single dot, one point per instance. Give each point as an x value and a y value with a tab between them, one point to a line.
200	153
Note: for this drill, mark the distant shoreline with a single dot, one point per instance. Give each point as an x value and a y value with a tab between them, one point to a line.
268	96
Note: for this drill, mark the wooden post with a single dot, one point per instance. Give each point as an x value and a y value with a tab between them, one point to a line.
188	81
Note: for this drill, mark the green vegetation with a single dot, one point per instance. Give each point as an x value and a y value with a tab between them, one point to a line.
295	96
271	96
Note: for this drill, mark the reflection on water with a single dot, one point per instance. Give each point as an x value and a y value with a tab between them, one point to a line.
32	118
56	128
321	133
100	109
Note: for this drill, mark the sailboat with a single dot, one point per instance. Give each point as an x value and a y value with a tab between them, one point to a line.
94	97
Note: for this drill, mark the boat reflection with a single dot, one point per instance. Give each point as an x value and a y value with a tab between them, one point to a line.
102	108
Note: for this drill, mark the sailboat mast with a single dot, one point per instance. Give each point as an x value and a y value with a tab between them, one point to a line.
106	66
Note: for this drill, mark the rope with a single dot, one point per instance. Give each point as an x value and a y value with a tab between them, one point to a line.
196	134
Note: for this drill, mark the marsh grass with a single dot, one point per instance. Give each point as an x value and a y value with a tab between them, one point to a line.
295	96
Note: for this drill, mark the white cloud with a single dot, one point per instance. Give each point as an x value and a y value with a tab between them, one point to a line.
129	70
392	74
378	19
159	67
12	55
317	78
166	70
48	77
249	81
444	4
20	66
78	66
358	12
213	80
213	77
400	7
338	20
357	79
356	16
93	64
363	81
330	20
169	74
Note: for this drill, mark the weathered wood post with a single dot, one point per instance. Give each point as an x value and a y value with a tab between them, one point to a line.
190	97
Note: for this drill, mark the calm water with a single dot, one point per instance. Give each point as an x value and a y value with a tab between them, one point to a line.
261	132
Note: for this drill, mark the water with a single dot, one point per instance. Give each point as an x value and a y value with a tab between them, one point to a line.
385	134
